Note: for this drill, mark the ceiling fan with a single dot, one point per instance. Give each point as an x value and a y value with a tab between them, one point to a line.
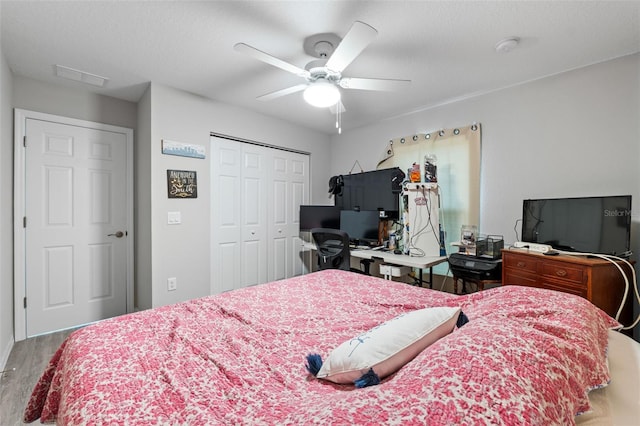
324	75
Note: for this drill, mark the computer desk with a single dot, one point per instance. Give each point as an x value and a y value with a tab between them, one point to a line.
420	262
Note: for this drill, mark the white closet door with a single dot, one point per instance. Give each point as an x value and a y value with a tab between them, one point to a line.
226	226
290	189
256	195
254	199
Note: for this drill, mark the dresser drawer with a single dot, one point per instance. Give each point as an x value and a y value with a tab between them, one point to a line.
563	271
511	277
520	263
563	286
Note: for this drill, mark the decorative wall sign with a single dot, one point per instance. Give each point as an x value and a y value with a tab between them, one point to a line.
182	149
182	184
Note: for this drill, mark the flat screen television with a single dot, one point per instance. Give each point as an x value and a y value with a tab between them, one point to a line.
582	224
362	226
319	217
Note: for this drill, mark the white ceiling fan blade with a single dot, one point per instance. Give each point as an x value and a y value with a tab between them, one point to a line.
282	92
339	107
358	37
271	60
373	84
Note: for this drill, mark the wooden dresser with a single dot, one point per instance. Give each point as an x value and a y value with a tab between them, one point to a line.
595	279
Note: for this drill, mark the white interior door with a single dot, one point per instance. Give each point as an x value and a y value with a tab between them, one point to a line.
256	194
76	225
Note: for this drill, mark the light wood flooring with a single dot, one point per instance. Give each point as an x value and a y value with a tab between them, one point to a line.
29	358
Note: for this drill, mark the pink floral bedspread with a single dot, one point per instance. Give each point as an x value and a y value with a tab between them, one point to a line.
527	356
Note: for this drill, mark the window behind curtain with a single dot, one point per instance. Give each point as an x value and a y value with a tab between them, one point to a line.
458	161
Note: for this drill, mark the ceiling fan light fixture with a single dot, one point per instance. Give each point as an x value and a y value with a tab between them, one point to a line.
321	94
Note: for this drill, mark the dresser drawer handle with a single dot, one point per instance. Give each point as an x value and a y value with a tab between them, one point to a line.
521	264
561	272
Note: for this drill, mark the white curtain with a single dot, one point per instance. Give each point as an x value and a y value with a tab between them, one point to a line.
458	161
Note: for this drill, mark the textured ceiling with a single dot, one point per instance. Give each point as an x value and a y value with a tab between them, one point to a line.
445	48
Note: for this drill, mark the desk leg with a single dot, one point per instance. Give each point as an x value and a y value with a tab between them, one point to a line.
420	281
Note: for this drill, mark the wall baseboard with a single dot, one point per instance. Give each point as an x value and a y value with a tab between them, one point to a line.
4	357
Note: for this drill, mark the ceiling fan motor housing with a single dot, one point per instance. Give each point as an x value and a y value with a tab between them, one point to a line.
318	70
323	49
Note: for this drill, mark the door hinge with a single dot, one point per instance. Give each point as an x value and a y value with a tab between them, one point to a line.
24	141
24	222
24	302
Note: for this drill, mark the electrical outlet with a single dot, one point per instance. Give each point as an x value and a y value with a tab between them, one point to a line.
172	283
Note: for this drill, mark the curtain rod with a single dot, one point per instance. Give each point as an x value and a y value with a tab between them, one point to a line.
252	142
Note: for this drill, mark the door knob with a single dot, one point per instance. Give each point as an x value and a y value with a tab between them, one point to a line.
118	234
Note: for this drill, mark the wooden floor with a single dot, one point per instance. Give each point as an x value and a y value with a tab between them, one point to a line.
29	358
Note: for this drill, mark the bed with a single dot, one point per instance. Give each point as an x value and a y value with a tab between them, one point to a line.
525	356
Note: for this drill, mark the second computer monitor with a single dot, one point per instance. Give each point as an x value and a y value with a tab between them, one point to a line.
319	217
362	226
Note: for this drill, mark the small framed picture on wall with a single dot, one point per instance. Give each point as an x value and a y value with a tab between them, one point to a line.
182	149
182	184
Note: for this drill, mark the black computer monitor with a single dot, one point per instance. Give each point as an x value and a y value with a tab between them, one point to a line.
373	190
362	226
319	217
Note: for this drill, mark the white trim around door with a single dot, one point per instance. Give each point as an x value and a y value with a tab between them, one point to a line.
21	118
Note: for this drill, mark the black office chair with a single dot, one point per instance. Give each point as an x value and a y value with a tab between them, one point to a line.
332	249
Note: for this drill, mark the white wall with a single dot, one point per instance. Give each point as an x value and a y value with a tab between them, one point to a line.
572	134
183	251
6	212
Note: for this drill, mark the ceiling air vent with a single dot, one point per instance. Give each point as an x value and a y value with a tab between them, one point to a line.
80	76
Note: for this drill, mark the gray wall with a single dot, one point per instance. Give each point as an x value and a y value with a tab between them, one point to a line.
572	134
163	113
78	103
6	211
34	95
183	251
143	196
